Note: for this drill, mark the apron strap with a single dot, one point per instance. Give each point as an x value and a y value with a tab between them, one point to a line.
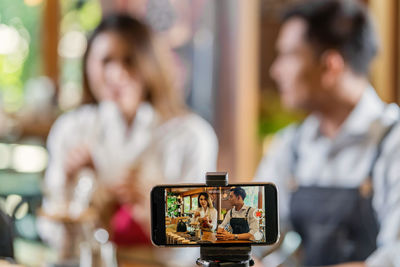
366	188
247	213
379	149
294	148
295	153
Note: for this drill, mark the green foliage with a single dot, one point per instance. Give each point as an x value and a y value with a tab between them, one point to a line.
18	67
251	199
90	15
273	116
173	205
80	17
186	204
77	16
195	203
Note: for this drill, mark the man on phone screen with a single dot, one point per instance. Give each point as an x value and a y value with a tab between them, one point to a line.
240	218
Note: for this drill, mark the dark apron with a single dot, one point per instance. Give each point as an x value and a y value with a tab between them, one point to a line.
240	225
336	224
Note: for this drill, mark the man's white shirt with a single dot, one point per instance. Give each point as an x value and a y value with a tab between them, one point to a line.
251	220
344	162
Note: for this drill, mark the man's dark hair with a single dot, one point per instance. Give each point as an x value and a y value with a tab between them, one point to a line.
342	25
238	191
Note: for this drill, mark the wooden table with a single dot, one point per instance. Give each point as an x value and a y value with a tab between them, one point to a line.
212	237
143	256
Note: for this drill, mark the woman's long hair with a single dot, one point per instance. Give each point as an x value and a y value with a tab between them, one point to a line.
208	199
150	61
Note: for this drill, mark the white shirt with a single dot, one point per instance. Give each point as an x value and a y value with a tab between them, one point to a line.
211	213
344	161
180	150
251	220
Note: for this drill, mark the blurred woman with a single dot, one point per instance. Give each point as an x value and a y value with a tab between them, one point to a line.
206	214
133	131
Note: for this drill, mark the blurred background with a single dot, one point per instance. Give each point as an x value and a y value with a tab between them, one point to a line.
223	48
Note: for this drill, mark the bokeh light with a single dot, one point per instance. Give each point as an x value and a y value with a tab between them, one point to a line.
72	45
39	93
70	95
11	203
32	2
28	158
21	211
13	38
5	156
19	55
101	236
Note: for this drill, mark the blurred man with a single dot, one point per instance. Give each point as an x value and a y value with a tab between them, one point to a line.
338	171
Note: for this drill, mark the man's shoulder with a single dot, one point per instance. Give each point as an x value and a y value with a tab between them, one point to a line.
249	211
390	123
390	114
247	208
290	130
282	138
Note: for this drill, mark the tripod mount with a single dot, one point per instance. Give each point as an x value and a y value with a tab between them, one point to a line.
230	256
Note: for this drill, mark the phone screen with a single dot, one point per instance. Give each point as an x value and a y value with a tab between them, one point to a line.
201	215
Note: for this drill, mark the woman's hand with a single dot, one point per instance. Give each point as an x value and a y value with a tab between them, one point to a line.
196	214
77	159
206	220
129	190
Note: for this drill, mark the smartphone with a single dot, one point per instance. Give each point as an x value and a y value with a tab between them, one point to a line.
197	215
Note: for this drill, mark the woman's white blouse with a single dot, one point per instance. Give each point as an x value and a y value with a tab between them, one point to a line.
180	150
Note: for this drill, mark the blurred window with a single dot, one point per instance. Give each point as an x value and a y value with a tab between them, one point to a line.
19	49
195	204
78	19
186	204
